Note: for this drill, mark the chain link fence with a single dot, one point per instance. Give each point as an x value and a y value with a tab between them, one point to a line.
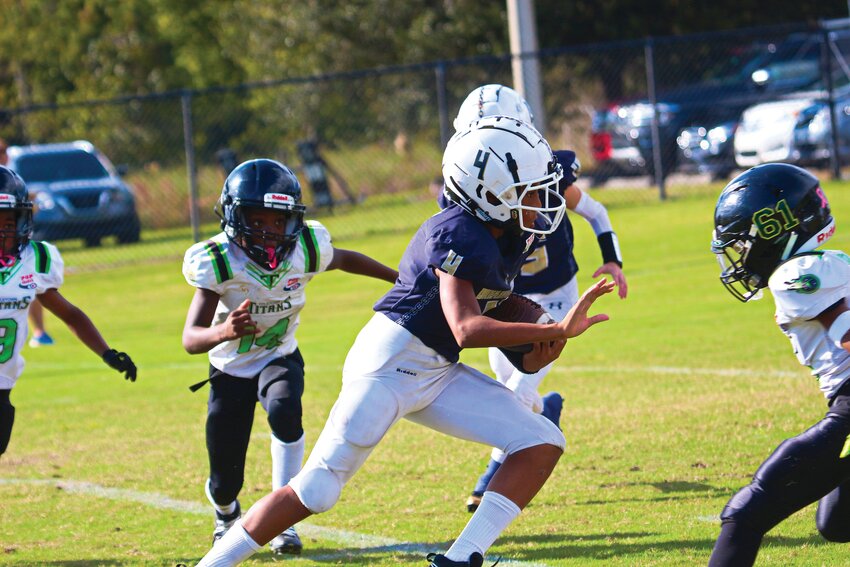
651	119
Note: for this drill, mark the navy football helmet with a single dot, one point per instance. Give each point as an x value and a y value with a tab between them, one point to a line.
763	217
14	196
262	184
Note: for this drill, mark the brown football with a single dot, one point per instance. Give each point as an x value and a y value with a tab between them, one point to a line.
519	309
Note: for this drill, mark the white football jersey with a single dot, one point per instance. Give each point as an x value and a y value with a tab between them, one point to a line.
277	297
39	269
803	287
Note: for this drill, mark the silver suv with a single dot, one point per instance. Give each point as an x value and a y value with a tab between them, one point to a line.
77	193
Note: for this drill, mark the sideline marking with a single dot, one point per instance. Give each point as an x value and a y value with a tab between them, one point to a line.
682	370
363	542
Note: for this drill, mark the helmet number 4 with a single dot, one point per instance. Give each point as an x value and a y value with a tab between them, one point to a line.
767	223
270	339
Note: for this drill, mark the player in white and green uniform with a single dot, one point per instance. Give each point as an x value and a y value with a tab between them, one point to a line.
30	269
250	288
769	222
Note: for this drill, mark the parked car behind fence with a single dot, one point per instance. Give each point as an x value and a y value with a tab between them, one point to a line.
77	193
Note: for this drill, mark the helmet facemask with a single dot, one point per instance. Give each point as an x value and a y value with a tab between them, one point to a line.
552	205
732	257
266	240
14	240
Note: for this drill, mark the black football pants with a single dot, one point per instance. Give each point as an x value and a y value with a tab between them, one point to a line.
802	470
230	416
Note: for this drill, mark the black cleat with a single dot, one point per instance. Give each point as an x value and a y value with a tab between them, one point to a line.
475	560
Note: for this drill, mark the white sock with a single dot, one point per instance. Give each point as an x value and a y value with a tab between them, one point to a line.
493	515
223	510
286	460
498	455
233	548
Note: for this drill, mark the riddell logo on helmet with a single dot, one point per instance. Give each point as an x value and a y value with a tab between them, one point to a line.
278	199
824	236
7	200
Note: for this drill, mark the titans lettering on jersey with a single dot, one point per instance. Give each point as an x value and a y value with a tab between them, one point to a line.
39	269
802	288
277	297
458	244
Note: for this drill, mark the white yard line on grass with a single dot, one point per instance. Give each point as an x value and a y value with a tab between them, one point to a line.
679	370
363	542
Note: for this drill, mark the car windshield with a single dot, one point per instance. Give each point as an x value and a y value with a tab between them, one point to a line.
60	166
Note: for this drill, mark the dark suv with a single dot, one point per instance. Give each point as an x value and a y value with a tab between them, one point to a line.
697	122
77	193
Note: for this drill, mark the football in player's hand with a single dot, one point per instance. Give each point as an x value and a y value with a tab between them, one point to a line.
519	309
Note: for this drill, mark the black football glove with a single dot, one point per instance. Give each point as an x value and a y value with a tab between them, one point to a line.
121	362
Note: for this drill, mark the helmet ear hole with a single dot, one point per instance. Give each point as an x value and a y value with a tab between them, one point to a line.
492	199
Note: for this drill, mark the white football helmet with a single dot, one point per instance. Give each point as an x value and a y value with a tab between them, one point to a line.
492	100
491	166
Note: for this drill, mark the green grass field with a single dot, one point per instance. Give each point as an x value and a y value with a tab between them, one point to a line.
670	407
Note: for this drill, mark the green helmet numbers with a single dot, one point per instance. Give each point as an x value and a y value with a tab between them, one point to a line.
770	223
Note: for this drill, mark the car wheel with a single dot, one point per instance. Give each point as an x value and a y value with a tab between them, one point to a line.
131	234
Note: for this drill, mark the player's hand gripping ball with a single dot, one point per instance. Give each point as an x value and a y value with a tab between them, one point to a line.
519	309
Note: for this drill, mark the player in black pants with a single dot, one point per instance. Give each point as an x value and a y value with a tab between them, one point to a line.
768	223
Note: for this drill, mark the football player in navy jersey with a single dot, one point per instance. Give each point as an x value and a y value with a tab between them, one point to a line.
404	363
548	275
769	222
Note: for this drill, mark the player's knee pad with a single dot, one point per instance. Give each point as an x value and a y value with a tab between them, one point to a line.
317	488
284	416
544	433
754	508
833	517
7	419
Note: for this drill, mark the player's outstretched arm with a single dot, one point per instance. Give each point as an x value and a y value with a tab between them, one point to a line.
84	329
199	336
357	263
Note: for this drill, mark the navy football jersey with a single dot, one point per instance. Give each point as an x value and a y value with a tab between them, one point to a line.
455	242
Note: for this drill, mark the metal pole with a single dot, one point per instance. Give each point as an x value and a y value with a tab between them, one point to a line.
442	104
834	157
525	65
649	56
191	172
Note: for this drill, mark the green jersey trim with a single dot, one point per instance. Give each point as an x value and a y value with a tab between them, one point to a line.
311	249
42	257
220	263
